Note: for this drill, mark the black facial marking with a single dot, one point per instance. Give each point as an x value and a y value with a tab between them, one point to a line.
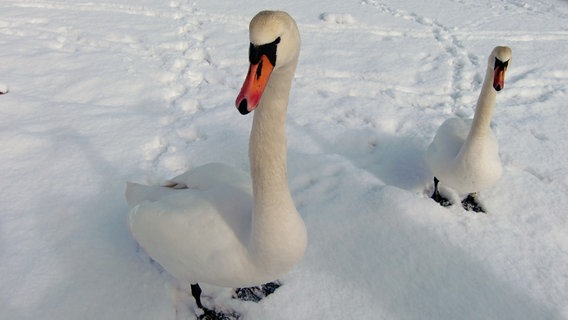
259	70
269	50
500	64
254	54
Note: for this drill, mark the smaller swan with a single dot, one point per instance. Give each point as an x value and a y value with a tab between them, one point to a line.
211	224
464	155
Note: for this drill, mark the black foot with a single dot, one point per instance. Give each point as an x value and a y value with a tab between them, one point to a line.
209	314
256	294
470	204
436	196
444	202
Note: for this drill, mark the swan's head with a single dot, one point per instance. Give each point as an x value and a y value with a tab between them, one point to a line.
499	61
274	45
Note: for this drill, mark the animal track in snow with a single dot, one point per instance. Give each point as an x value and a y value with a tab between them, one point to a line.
539	136
460	58
185	60
336	18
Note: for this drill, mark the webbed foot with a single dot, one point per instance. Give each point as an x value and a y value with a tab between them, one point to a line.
470	204
444	202
436	196
256	293
209	314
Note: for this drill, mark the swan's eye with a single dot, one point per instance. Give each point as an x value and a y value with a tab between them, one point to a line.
269	50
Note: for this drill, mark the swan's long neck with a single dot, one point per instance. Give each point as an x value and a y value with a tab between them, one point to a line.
274	236
485	105
267	149
480	126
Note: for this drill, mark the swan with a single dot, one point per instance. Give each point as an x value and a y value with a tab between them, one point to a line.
210	224
464	155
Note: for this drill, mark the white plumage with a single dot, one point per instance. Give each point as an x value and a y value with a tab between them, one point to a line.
213	225
464	155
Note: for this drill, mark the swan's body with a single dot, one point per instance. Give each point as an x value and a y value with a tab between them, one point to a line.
466	168
219	228
464	155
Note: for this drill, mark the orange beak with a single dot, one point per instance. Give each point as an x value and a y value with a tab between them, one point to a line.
254	85
499	78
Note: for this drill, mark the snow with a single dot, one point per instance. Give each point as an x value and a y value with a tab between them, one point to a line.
100	93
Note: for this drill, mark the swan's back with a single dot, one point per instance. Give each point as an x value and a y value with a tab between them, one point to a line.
200	178
170	223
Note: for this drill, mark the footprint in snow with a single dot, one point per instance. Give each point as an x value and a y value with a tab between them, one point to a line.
336	18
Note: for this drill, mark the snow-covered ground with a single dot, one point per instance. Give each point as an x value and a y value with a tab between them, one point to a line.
101	92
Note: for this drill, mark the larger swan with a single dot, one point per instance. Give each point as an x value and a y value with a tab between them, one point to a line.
219	228
464	155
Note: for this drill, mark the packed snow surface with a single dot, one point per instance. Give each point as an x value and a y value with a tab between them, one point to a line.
97	93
